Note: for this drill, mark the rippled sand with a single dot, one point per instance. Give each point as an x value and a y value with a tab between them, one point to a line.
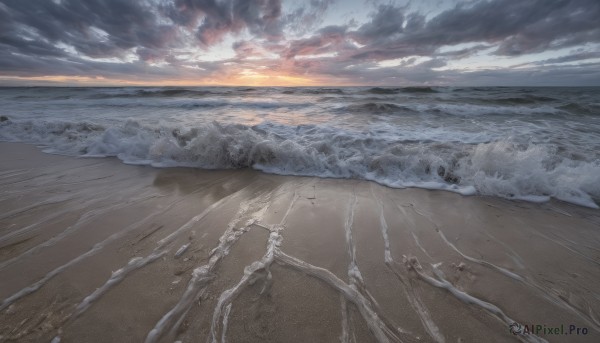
92	250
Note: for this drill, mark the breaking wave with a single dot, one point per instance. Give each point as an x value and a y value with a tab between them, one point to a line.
506	168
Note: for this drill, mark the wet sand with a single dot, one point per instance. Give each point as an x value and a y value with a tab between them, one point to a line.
92	250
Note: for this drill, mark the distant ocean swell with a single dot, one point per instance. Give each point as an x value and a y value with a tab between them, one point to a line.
507	167
469	101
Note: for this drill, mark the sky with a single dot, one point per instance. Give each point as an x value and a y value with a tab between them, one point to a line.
300	43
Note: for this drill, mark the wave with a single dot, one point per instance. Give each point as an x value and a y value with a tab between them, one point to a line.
374	107
145	93
315	91
505	168
524	100
380	90
186	103
474	89
418	90
577	109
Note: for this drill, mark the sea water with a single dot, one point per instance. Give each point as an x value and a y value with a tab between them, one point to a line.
520	143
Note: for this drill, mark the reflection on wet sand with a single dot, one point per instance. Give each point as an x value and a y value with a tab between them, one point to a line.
94	250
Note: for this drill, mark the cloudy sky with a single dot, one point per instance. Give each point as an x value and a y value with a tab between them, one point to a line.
313	42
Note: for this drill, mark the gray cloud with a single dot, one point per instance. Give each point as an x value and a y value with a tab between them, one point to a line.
93	28
306	17
42	37
515	27
519	27
327	39
571	58
385	25
217	18
109	28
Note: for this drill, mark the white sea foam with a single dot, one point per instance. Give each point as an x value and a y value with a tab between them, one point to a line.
529	144
508	167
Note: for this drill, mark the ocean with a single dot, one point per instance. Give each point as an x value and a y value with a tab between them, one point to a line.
529	144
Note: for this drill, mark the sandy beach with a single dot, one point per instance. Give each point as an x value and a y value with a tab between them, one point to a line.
93	250
182	171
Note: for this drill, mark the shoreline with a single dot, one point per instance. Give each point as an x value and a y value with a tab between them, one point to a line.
114	251
468	190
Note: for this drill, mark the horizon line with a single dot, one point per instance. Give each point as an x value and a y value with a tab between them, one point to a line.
295	86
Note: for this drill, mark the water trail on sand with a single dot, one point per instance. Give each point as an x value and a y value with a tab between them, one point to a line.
418	243
116	277
228	295
387	254
19	233
380	329
160	250
345	336
295	198
52	201
12	173
413	264
564	243
527	281
97	248
94	250
555	297
12	183
83	219
225	322
511	252
182	250
354	275
201	276
52	177
171	237
15	194
410	293
479	261
264	264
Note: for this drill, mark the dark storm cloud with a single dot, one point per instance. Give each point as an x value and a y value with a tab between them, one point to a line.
516	27
93	28
519	27
109	28
385	25
573	57
327	39
307	16
217	18
138	71
421	73
67	37
462	53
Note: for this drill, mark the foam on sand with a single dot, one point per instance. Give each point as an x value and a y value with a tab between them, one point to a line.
505	167
201	227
